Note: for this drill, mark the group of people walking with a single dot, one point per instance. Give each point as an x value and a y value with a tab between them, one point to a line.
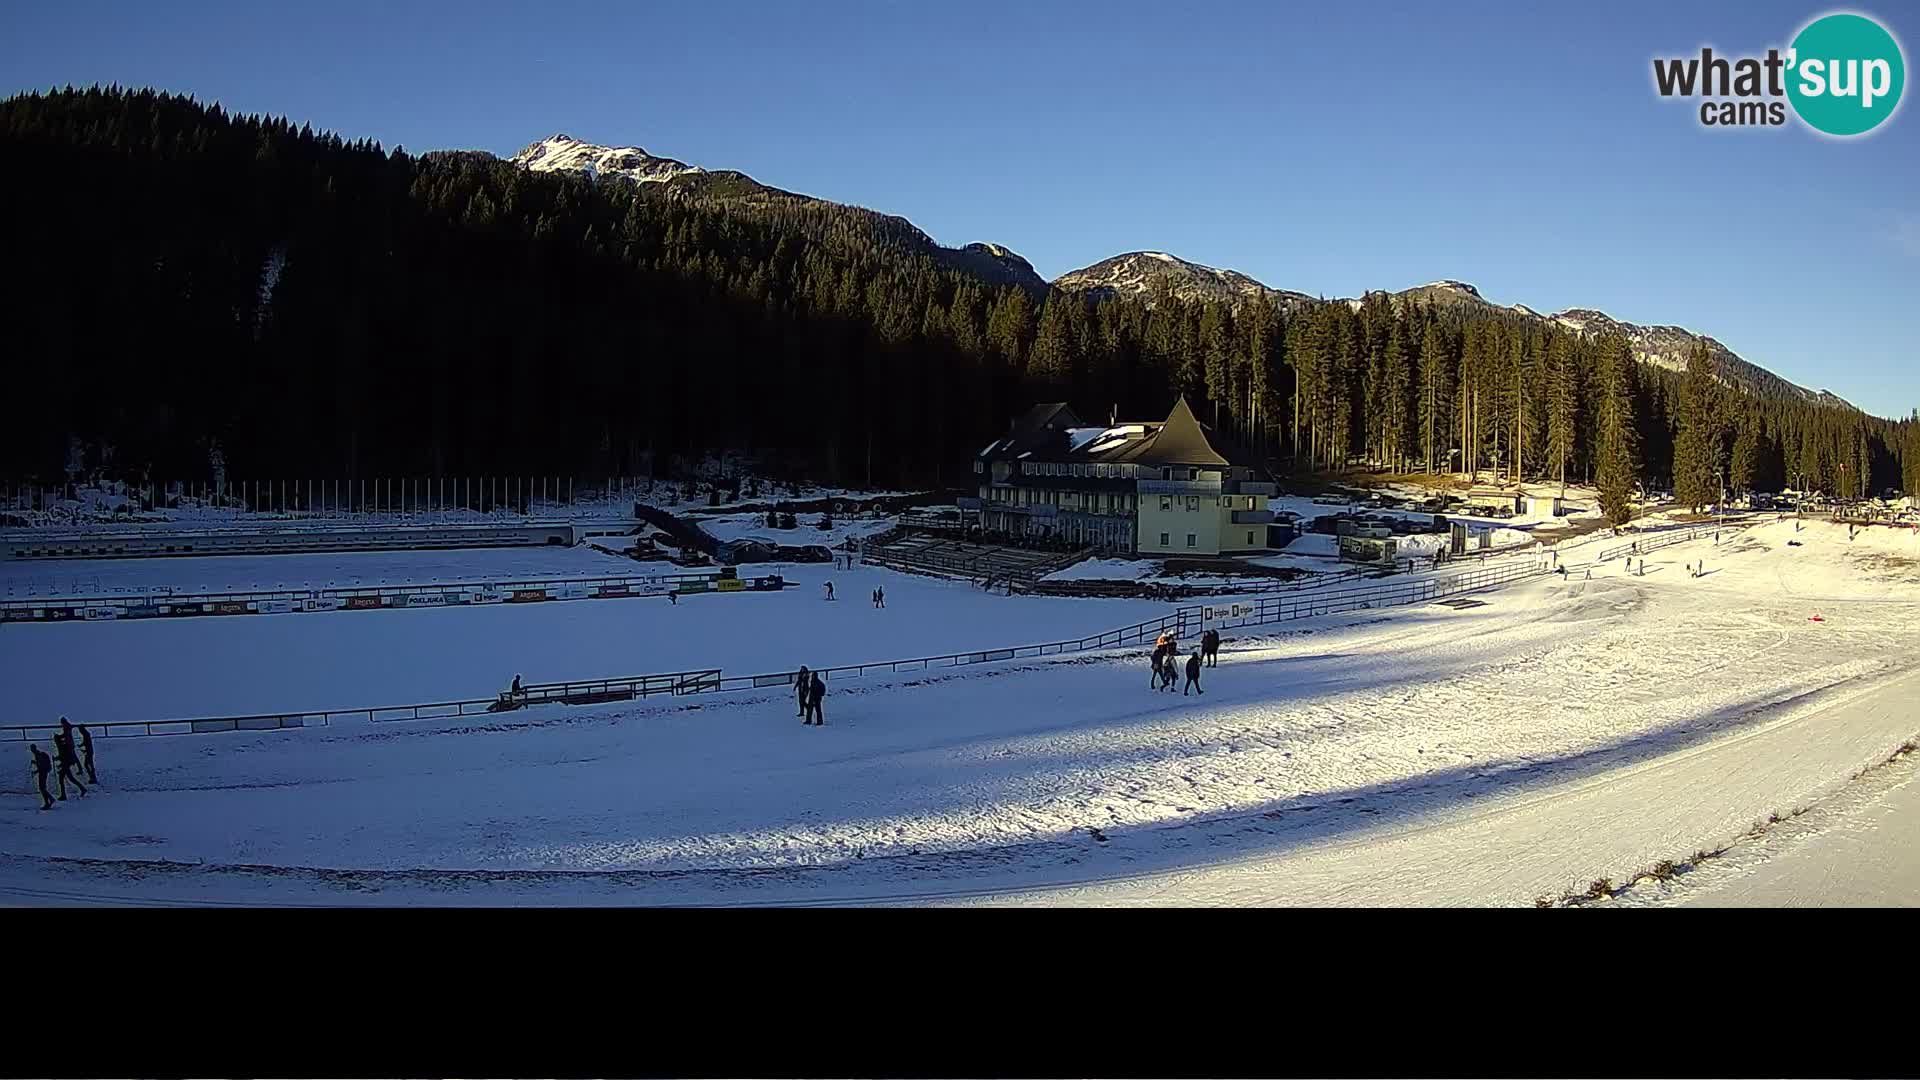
809	690
67	755
1166	663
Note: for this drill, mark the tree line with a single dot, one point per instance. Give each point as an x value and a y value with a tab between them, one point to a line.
312	306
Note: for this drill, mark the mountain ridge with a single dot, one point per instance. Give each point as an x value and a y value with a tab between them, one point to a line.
1140	273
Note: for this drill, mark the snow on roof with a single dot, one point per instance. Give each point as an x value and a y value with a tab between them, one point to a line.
989	449
1081	436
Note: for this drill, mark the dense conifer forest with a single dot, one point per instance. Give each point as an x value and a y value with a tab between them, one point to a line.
180	277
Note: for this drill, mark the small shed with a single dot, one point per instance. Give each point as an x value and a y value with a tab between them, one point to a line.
1545	506
1500	500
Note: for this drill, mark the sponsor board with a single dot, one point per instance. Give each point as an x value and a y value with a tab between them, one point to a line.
569	592
523	596
21	614
323	603
487	596
613	590
1226	611
230	607
426	599
103	612
691	587
363	601
730	585
276	607
144	611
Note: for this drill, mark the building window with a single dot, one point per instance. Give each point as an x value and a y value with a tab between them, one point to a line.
1193	474
1193	502
979	466
1192	540
1166	502
1165	541
1249	539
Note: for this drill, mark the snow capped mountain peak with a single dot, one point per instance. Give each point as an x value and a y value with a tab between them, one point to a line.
564	153
1451	285
1137	273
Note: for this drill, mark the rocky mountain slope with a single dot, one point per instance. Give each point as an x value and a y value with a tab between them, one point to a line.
564	153
1137	273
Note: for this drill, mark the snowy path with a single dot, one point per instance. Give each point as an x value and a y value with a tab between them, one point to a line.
1557	732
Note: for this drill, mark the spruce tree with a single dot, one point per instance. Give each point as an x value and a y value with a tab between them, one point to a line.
1616	438
1696	468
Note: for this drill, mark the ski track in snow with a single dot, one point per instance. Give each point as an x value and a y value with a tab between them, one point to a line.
1562	731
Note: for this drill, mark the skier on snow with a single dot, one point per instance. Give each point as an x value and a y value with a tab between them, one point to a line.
63	754
42	765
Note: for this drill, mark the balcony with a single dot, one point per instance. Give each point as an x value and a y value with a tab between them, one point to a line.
1180	487
1253	517
968	502
1254	487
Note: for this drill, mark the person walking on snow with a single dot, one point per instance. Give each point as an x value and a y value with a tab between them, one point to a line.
86	753
1193	674
42	765
1210	646
65	758
802	686
880	597
829	590
816	693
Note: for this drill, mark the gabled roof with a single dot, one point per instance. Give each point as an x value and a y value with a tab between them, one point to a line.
1050	432
1051	414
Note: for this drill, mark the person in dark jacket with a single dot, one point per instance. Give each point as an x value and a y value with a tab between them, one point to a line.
66	759
1210	646
816	693
42	765
802	689
86	753
880	597
1193	674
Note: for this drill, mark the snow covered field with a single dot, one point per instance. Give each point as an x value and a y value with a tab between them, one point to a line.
162	668
1553	733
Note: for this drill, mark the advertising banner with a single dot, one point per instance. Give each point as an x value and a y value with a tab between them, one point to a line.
324	603
363	602
523	596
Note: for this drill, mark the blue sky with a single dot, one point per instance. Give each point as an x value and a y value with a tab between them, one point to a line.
1329	148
